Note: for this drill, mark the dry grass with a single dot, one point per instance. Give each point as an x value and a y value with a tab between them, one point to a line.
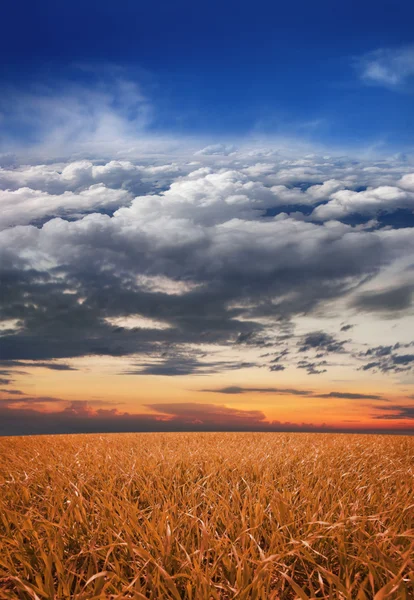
207	516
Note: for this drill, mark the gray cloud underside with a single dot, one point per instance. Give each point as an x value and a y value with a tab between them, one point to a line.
388	359
189	245
184	365
397	412
390	300
351	396
234	389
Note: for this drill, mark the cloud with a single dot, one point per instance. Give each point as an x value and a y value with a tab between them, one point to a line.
294	392
407	182
53	366
210	414
74	181
192	245
389	67
25	206
234	389
31	402
320	341
387	359
368	202
313	368
217	149
395	412
403	359
393	299
182	365
351	396
70	115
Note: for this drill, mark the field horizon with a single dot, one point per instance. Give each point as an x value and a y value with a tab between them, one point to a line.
208	515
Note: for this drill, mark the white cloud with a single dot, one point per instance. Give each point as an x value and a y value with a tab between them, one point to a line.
102	116
217	150
23	206
369	202
390	67
206	194
212	220
78	176
407	182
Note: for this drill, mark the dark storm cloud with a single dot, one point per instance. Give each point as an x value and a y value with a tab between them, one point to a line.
346	327
61	325
51	316
389	300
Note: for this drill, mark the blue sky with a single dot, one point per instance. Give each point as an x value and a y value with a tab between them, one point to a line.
338	73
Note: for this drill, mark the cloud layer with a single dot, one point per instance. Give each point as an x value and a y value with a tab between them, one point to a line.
222	248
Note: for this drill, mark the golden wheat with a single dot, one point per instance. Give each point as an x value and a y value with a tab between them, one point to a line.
207	516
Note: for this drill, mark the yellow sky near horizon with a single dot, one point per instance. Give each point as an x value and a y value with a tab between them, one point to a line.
98	381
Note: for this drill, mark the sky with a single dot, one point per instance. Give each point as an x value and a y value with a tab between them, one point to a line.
207	217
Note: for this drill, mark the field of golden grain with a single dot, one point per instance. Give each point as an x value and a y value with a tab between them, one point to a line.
207	515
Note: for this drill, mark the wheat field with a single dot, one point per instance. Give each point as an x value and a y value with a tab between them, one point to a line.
207	516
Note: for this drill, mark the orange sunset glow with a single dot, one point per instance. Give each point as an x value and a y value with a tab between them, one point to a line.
100	389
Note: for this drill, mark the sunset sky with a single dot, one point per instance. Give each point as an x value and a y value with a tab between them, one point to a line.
206	217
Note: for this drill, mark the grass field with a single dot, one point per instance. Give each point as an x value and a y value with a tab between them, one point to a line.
207	515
